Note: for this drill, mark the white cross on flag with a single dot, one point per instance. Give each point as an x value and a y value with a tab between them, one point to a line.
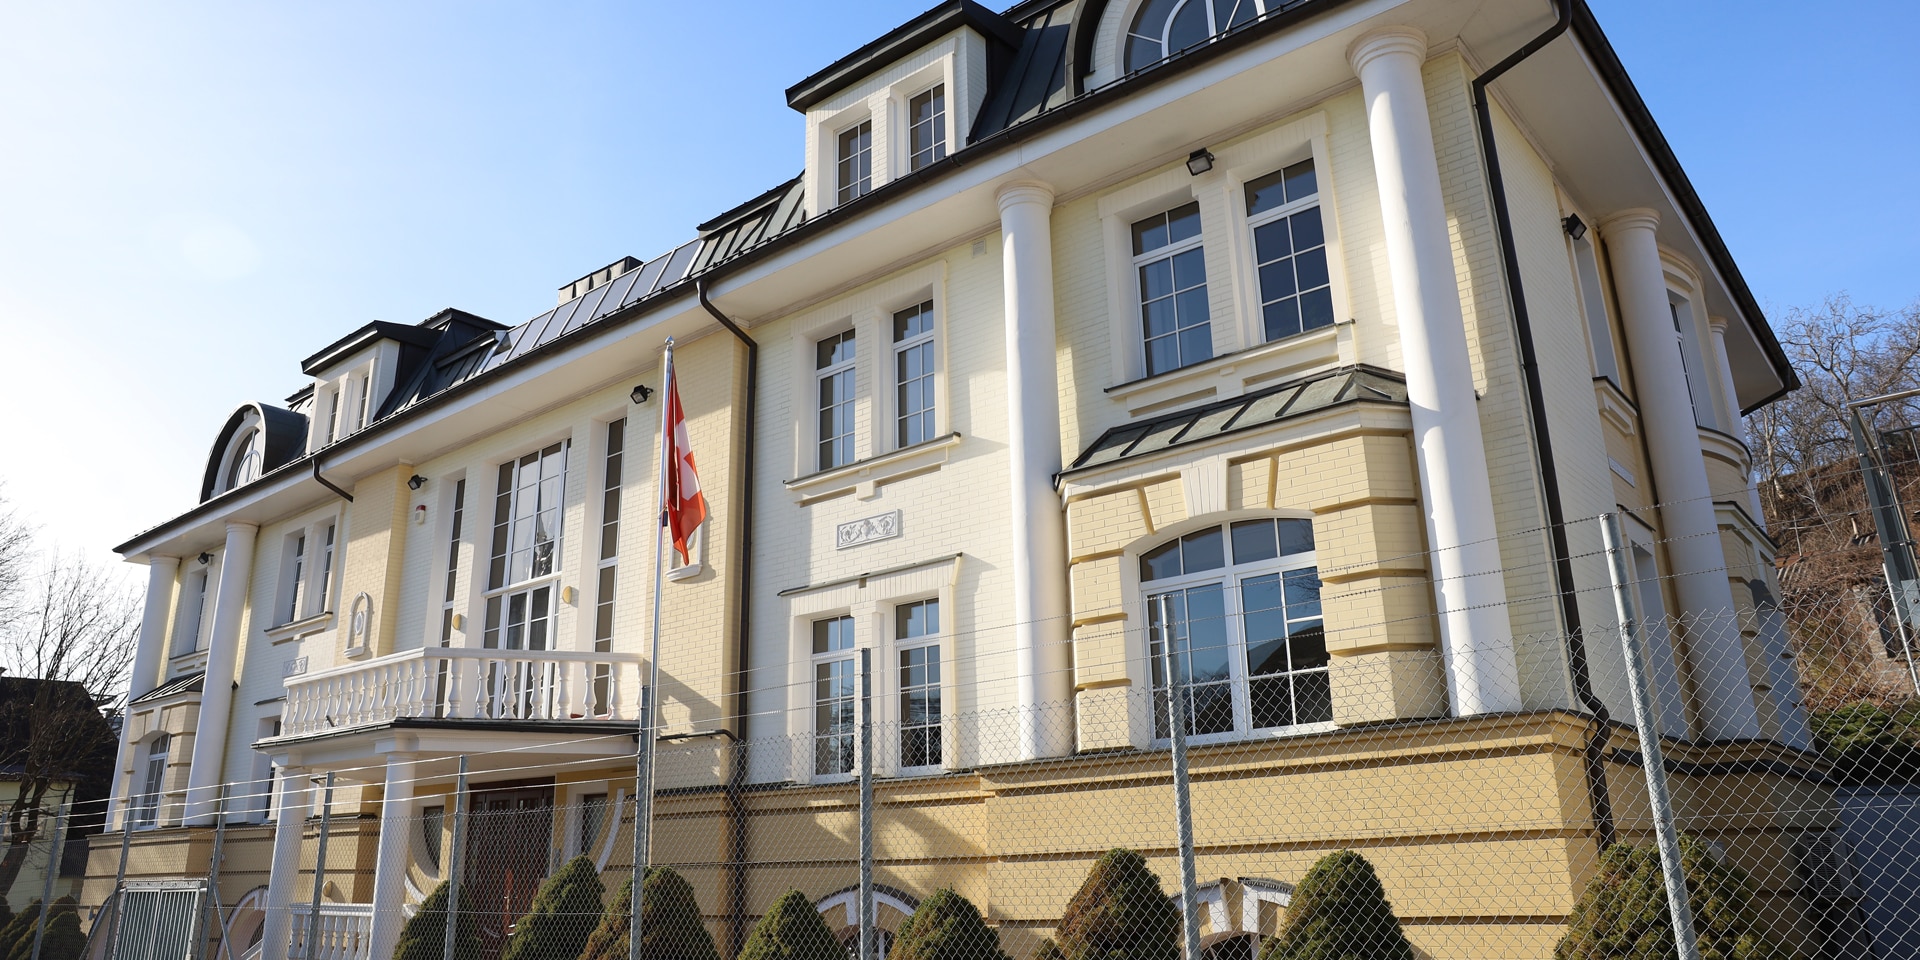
682	508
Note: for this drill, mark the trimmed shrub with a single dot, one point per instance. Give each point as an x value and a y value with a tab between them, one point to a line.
1119	913
946	926
792	930
1623	911
670	924
425	933
1340	912
1048	950
62	941
565	910
1869	744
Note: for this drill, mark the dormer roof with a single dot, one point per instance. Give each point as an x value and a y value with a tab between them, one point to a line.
900	41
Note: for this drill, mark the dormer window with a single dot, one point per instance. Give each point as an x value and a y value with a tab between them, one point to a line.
245	462
855	161
1163	28
927	135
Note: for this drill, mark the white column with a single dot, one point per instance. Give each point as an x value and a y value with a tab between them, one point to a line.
216	698
1737	425
1476	637
390	856
289	835
1715	654
147	650
1039	533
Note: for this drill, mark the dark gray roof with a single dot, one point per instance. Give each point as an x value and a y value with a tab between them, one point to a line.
899	42
1035	80
1286	401
286	440
189	683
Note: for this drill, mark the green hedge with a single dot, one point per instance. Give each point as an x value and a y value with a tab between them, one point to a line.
565	910
670	923
1119	913
1340	912
792	930
1623	914
946	926
424	935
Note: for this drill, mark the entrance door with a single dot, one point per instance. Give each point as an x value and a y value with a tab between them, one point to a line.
507	856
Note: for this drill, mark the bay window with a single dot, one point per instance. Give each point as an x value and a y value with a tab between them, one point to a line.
1235	611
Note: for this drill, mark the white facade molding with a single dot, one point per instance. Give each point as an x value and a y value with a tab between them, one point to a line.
1469	590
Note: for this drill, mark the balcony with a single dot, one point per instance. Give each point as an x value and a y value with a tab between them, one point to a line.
345	932
453	683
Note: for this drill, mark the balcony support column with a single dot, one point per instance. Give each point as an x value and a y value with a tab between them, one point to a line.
391	855
216	698
161	572
289	834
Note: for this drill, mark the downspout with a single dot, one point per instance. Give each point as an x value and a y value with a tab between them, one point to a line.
329	484
743	647
1577	665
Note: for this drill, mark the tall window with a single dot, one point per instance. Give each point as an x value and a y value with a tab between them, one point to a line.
325	590
297	580
366	402
856	161
1163	28
1290	246
1240	606
927	132
1690	361
193	608
333	414
916	633
834	699
1172	270
453	560
593	819
913	374
609	560
834	372
245	466
146	808
1599	331
526	550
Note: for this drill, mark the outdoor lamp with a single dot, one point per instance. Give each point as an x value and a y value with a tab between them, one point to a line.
641	393
1199	161
1575	227
416	481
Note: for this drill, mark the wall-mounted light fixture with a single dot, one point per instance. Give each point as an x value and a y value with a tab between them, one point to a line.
205	558
1199	161
1575	227
641	393
416	481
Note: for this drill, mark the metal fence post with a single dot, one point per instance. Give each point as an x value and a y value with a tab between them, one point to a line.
1648	728
642	816
118	897
866	805
320	869
1182	800
456	860
53	873
213	877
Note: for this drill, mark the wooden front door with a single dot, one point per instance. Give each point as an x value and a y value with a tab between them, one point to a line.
507	857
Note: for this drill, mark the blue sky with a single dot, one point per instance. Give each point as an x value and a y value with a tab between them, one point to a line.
193	196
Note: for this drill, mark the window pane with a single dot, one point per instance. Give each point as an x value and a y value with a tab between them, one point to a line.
1269	702
1307	646
1276	280
1316	309
1301	183
833	635
1204	550
1303	593
1296	536
1150	234
1281	318
1161	562
1163	354
1189	270
1156	280
920	619
1196	344
1183	222
1253	541
1266	193
1189	26
1206	634
1312	698
1141	53
1271	242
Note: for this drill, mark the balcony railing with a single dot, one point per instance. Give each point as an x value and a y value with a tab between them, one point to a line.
346	932
456	683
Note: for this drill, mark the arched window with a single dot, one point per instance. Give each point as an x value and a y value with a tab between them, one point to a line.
241	464
1163	28
1240	605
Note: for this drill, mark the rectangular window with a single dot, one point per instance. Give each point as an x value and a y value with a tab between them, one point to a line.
1290	251
927	132
1172	270
1690	363
193	606
453	560
322	597
834	375
834	696
913	363
520	606
366	402
296	580
333	414
1593	301
593	819
916	625
856	161
609	560
146	811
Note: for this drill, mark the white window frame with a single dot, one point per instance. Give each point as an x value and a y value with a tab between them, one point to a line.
1585	256
148	801
929	340
1214	29
850	369
943	141
1141	260
1230	577
455	537
190	614
848	656
494	634
244	458
309	559
1288	209
846	191
937	641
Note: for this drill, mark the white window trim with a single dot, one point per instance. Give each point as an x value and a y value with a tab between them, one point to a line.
896	725
196	588
897	347
876	155
319	585
886	104
878	459
818	380
1139	646
1242	356
451	556
871	603
906	121
1167	252
249	456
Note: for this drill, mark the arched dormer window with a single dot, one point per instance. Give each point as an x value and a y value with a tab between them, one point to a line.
244	459
1240	605
1163	28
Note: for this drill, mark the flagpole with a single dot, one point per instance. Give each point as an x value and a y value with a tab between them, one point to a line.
649	695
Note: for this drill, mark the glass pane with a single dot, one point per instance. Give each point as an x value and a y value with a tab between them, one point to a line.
1296	536
1281	318
1312	698
1253	541
1303	593
1308	646
1211	710
1189	269
1266	193
1162	355
1269	702
1270	241
1311	268
1141	53
1150	234
1161	562
1196	344
1192	308
1205	550
1307	232
1300	180
1206	634
1276	280
1183	222
1316	309
1189	26
1156	279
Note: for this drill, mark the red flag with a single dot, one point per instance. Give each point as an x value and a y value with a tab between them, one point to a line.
682	508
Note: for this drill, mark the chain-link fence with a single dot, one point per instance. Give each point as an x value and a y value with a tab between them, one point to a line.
1740	782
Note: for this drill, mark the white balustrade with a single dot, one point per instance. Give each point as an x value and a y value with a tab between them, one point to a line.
454	683
346	932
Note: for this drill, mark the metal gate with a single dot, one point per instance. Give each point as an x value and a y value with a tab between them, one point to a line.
158	920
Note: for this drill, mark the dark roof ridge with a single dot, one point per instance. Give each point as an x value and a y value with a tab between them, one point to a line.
893	44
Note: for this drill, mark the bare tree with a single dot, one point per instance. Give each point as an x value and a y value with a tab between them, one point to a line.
66	642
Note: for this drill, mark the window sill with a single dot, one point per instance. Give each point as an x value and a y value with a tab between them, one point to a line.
303	627
864	477
1615	408
1231	374
185	663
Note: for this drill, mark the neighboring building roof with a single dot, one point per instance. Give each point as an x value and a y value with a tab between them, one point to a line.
1359	384
189	683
